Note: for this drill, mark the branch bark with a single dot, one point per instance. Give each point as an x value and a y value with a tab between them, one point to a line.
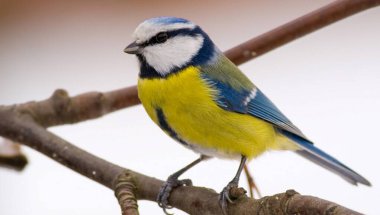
21	127
297	28
11	155
26	123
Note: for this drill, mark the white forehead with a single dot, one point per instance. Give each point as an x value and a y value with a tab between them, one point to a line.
151	27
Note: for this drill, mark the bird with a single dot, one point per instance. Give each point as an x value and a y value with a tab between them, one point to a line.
198	97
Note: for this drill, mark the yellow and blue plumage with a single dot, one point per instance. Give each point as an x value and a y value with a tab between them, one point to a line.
203	124
201	99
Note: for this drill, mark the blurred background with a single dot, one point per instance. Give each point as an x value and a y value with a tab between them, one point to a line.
327	83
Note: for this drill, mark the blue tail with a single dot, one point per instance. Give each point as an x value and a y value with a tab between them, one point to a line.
317	156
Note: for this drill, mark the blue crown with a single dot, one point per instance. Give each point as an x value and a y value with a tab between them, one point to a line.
167	20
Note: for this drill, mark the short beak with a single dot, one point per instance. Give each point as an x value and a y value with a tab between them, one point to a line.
133	48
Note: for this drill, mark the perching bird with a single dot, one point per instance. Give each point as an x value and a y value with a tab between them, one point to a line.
202	100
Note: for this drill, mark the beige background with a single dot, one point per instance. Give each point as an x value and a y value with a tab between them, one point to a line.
327	83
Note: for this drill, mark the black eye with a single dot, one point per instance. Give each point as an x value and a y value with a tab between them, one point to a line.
161	37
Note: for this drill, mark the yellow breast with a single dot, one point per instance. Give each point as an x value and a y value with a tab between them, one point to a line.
187	103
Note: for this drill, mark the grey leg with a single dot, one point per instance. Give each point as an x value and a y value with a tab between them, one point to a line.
173	182
224	195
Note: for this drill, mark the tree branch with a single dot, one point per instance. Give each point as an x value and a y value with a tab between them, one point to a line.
61	109
11	156
22	128
297	28
26	123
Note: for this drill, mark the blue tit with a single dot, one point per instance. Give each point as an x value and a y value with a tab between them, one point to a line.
198	97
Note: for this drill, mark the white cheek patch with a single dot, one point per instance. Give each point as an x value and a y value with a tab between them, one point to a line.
175	52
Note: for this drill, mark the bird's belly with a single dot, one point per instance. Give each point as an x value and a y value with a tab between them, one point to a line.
189	109
216	132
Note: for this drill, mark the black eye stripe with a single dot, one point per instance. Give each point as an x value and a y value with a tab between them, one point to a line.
171	34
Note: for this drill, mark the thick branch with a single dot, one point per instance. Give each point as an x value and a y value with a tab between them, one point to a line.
61	109
20	127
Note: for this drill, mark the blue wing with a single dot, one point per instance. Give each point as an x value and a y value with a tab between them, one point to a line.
236	93
252	101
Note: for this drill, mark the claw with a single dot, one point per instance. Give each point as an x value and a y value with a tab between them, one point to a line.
166	189
166	212
224	197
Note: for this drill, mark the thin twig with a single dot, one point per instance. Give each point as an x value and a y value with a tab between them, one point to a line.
297	28
253	188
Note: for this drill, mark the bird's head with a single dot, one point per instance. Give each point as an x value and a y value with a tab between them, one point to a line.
165	45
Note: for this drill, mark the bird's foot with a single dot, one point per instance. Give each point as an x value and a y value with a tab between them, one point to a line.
225	196
166	189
